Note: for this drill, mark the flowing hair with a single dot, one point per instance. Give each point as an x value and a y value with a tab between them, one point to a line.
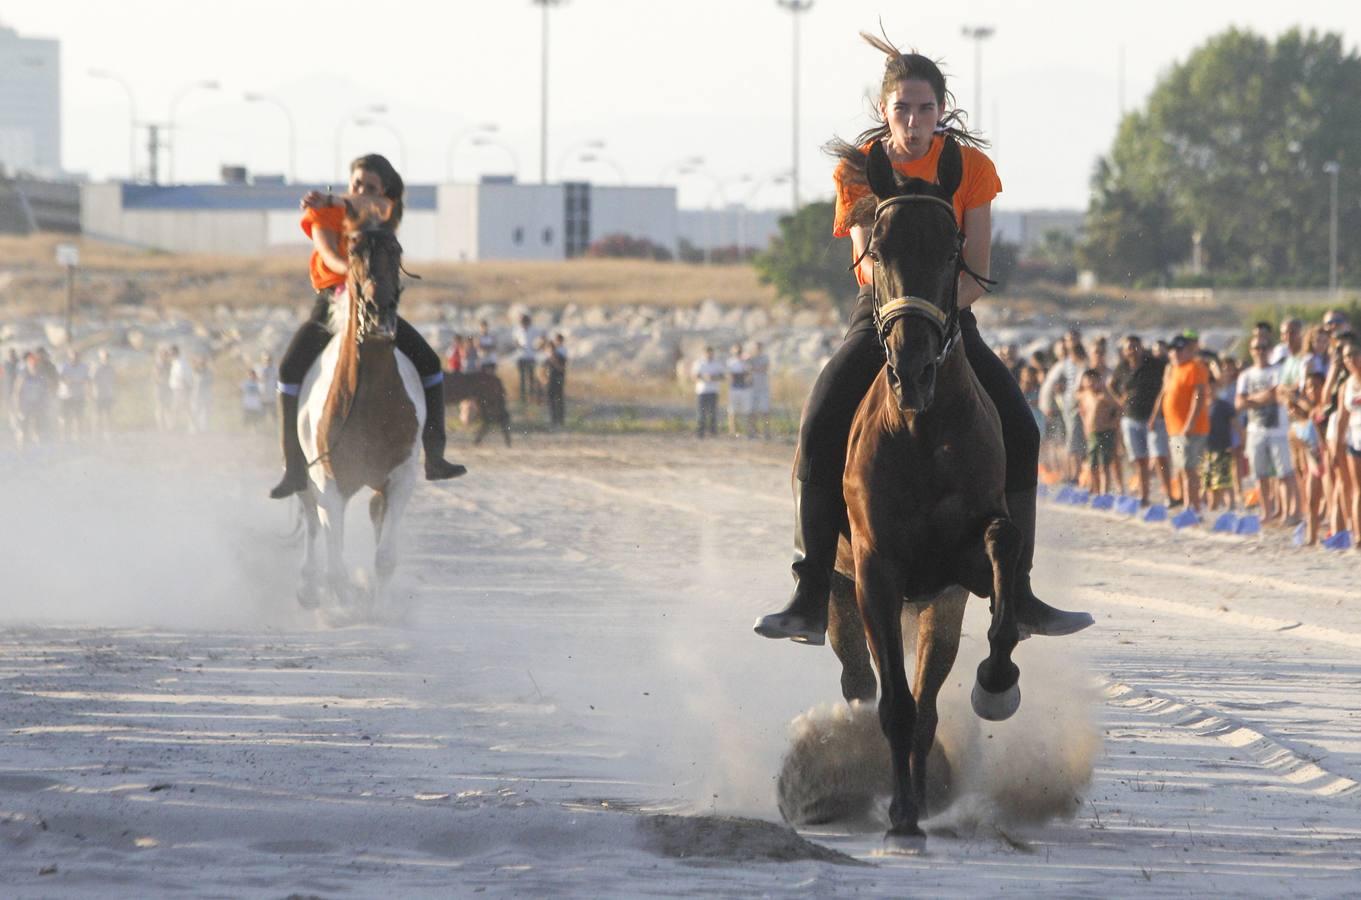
901	66
393	186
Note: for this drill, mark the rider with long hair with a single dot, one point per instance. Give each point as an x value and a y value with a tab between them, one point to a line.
323	220
915	114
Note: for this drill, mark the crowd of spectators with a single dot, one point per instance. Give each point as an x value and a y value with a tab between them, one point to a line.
1276	430
47	402
540	362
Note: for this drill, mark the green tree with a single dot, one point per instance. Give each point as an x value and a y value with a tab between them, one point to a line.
804	258
1232	145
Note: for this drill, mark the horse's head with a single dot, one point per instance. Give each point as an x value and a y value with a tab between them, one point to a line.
915	246
375	259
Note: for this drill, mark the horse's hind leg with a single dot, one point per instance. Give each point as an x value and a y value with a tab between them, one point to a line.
396	494
937	638
309	582
846	634
997	694
879	589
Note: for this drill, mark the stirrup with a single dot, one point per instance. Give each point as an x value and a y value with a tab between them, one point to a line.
1037	617
289	485
791	625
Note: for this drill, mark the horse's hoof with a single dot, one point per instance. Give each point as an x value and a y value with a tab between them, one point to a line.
309	597
996	707
905	843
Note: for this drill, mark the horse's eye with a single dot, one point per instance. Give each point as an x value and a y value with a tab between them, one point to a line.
873	255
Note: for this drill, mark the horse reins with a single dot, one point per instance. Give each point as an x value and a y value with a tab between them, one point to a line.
946	322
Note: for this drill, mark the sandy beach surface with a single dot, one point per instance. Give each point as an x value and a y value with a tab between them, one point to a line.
563	696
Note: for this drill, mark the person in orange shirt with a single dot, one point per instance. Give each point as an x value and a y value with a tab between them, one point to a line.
372	179
915	114
1185	405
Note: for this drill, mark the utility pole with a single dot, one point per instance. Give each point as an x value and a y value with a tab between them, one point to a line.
979	34
1332	168
795	7
153	150
543	91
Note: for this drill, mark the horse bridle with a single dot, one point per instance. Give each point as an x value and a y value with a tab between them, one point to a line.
888	311
366	319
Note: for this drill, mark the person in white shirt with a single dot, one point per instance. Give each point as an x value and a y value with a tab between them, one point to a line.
1266	445
71	392
200	396
252	401
708	374
760	387
180	381
526	339
739	393
486	347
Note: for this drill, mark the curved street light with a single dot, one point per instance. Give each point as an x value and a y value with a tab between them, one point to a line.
757	185
575	149
373	109
689	162
488	141
708	203
132	116
366	122
254	97
484	128
597	158
208	84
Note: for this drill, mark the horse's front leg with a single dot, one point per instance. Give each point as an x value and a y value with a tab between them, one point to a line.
879	584
938	629
332	509
309	587
997	692
396	495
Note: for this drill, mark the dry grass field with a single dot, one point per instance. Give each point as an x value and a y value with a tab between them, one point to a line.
31	281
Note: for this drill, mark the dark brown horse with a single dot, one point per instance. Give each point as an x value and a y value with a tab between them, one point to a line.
486	390
924	488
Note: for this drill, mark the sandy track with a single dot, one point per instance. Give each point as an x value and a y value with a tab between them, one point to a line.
570	654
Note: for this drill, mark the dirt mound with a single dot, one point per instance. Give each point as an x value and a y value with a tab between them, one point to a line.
734	840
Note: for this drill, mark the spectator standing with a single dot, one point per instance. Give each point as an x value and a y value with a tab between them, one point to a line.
1349	437
1266	446
1218	473
267	374
160	387
760	388
1292	342
1310	433
1100	416
486	347
102	393
1185	403
180	381
526	339
1137	382
252	401
28	400
708	374
200	395
13	366
557	380
1029	381
739	392
72	390
453	361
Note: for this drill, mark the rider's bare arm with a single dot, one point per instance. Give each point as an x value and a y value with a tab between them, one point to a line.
977	252
327	244
860	238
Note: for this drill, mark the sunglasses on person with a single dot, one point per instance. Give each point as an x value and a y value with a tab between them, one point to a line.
1333	323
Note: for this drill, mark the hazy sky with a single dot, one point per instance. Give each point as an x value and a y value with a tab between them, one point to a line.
657	80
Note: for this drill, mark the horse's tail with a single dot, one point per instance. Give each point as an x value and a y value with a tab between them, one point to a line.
299	519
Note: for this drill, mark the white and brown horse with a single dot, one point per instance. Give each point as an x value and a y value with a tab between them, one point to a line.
360	413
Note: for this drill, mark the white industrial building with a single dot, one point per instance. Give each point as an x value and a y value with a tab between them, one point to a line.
495	219
30	105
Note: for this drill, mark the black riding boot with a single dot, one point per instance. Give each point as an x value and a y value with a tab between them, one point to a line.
295	461
818	514
433	437
1033	615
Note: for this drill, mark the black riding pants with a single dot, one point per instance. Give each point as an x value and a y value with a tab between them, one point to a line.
847	377
315	334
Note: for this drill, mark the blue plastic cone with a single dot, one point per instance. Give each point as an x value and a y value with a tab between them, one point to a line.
1156	513
1127	506
1103	501
1249	524
1340	541
1185	519
1299	536
1227	523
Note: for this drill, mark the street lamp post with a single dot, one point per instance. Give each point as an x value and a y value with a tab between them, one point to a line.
795	7
708	204
205	85
253	97
1332	168
979	34
545	5
484	128
132	117
488	141
373	109
575	150
756	186
365	122
598	158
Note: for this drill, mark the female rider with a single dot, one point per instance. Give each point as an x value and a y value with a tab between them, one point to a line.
323	220
914	122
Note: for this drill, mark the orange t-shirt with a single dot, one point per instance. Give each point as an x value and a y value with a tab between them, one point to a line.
331	218
978	186
1178	394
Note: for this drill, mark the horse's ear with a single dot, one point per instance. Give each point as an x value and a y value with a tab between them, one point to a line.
879	172
950	169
